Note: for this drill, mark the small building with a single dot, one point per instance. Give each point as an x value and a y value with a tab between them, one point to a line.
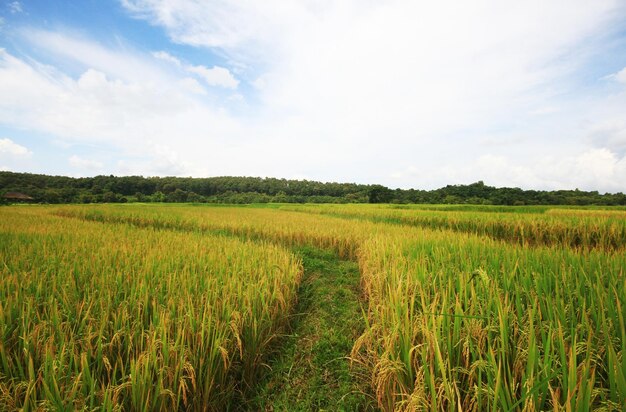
17	197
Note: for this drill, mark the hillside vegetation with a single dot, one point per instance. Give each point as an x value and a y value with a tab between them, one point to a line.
245	190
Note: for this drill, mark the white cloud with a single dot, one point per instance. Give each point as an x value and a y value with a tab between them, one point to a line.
260	83
14	156
610	134
620	76
124	115
63	47
10	148
82	163
167	57
15	7
192	86
158	160
350	61
430	92
216	76
364	87
545	110
229	25
592	169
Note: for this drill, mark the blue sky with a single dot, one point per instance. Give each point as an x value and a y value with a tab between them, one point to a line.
407	94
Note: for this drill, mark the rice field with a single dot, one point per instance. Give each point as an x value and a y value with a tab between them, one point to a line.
115	317
162	307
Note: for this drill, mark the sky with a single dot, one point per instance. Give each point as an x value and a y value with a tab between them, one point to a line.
404	93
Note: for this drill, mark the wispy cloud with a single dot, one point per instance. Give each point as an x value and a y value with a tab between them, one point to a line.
100	108
215	76
15	7
85	164
64	46
167	57
620	76
246	29
416	83
412	94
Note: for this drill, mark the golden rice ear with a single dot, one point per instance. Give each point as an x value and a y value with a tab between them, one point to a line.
468	310
225	357
480	274
140	329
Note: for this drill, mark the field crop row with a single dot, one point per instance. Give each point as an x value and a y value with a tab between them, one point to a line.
464	323
455	318
572	228
113	316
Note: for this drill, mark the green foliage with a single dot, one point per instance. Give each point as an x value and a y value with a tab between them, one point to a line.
379	194
245	190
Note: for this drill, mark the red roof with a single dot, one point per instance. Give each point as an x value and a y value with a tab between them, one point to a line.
17	196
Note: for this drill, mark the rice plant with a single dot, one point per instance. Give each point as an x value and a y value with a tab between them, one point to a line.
112	316
464	310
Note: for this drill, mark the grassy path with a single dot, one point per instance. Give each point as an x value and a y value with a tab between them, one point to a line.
311	370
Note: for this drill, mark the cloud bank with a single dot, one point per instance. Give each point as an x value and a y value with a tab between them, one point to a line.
408	94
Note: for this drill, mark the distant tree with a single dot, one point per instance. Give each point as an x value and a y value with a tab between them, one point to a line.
379	194
85	198
193	197
177	195
229	189
158	197
52	196
110	197
280	197
355	198
169	188
452	200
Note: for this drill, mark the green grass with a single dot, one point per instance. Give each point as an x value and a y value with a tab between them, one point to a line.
312	371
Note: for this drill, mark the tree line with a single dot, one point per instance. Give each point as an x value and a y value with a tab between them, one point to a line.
242	190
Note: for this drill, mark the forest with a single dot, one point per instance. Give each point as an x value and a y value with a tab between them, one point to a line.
247	190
